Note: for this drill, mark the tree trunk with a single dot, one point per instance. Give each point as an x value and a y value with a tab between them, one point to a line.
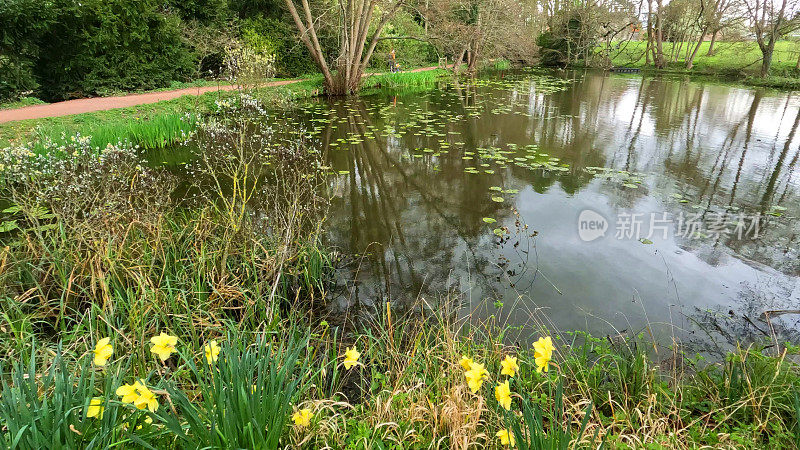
459	60
354	54
659	57
766	62
797	64
711	45
690	59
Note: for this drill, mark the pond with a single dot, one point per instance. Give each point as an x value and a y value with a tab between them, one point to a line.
594	202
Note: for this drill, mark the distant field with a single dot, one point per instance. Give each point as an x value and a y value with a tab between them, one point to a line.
729	57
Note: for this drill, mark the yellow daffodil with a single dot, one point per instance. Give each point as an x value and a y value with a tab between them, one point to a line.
503	395
510	366
475	376
139	395
146	400
95	408
466	363
128	392
103	351
212	352
163	345
351	358
506	438
543	353
303	417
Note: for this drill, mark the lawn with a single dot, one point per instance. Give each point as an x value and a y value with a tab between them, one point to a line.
729	58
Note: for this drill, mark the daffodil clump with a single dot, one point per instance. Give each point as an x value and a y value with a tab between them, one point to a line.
137	394
476	373
543	353
302	418
351	358
212	352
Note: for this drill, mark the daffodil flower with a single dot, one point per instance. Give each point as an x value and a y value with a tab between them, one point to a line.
212	352
302	418
95	408
128	392
510	366
146	400
475	376
163	345
351	358
502	392
103	351
506	438
138	395
543	353
466	363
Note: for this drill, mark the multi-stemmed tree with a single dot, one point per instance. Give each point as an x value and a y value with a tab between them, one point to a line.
358	31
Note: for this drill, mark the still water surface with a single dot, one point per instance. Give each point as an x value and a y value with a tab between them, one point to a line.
697	185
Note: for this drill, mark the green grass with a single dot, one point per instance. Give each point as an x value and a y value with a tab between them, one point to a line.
157	122
21	103
158	132
403	80
729	58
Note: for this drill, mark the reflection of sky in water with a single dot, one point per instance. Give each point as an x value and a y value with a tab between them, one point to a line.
697	149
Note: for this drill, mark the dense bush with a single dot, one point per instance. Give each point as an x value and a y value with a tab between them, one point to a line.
98	46
22	22
277	37
408	52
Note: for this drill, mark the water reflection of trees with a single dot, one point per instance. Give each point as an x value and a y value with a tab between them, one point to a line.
415	217
420	218
722	147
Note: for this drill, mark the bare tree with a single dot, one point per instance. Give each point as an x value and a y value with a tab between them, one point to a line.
358	35
655	34
472	29
710	19
769	19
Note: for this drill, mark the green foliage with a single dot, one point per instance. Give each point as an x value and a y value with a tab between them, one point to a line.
245	397
553	49
565	43
401	81
45	407
541	429
409	53
277	37
207	12
22	23
98	46
157	132
21	103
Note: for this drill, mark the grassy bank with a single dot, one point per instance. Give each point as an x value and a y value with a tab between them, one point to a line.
152	119
737	60
158	124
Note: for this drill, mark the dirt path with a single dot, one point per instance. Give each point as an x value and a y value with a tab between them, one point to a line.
85	105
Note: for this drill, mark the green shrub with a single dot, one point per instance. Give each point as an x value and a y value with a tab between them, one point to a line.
22	22
277	37
100	46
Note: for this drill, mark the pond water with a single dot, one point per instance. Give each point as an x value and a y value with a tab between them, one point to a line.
603	203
